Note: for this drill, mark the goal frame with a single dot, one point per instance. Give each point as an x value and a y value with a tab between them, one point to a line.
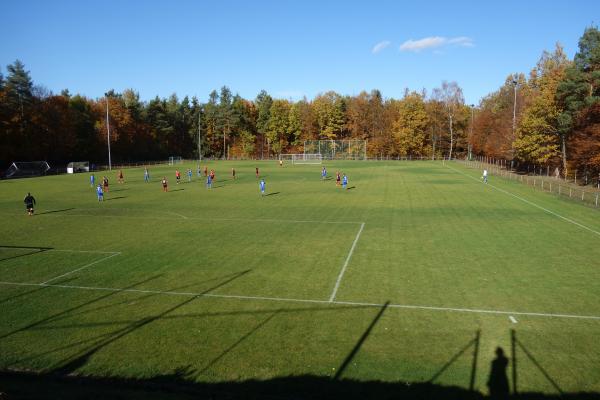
175	160
302	158
344	149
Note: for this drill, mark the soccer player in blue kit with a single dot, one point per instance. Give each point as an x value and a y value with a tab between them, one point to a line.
100	193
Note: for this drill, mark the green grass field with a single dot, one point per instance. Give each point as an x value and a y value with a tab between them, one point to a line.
228	286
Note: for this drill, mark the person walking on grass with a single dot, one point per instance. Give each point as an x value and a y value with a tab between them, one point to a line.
29	203
100	193
146	175
262	186
485	175
165	184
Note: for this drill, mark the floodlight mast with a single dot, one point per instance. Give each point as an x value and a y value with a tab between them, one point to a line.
515	84
199	138
108	133
514	122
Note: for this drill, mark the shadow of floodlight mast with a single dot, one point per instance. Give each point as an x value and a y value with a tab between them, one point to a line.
73	363
472	343
517	343
358	344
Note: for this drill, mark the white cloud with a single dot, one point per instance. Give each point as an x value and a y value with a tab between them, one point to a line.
380	46
461	41
433	42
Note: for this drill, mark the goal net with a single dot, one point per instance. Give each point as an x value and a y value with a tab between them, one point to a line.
22	169
78	166
175	160
302	158
354	149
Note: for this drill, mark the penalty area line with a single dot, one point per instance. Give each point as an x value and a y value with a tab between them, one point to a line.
313	301
80	268
343	271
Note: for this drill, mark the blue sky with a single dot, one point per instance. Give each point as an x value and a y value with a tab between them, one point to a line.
289	48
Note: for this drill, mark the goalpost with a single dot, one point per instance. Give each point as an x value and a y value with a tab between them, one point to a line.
21	169
302	158
175	160
352	149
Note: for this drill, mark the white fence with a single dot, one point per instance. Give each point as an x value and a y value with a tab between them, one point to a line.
543	183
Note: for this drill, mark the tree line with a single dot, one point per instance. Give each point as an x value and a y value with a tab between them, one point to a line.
550	117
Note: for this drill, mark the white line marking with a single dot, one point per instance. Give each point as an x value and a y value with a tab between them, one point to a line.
512	319
335	302
530	203
62	250
179	215
84	251
79	269
291	221
341	275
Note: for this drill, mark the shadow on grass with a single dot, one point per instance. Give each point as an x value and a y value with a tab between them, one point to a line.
69	310
351	187
97	342
177	190
72	363
30	253
55	211
37	289
359	343
28	385
272	194
517	344
116	198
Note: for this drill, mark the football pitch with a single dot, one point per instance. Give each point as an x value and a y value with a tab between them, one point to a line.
416	273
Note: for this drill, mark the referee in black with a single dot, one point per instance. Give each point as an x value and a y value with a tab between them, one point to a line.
29	203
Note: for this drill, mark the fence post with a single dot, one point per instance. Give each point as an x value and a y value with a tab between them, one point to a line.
582	194
570	192
596	199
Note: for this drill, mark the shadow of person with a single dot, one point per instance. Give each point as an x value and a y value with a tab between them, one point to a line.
498	380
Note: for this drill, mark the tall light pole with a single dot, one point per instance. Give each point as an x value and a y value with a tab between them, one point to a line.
514	124
471	133
108	133
199	138
515	84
